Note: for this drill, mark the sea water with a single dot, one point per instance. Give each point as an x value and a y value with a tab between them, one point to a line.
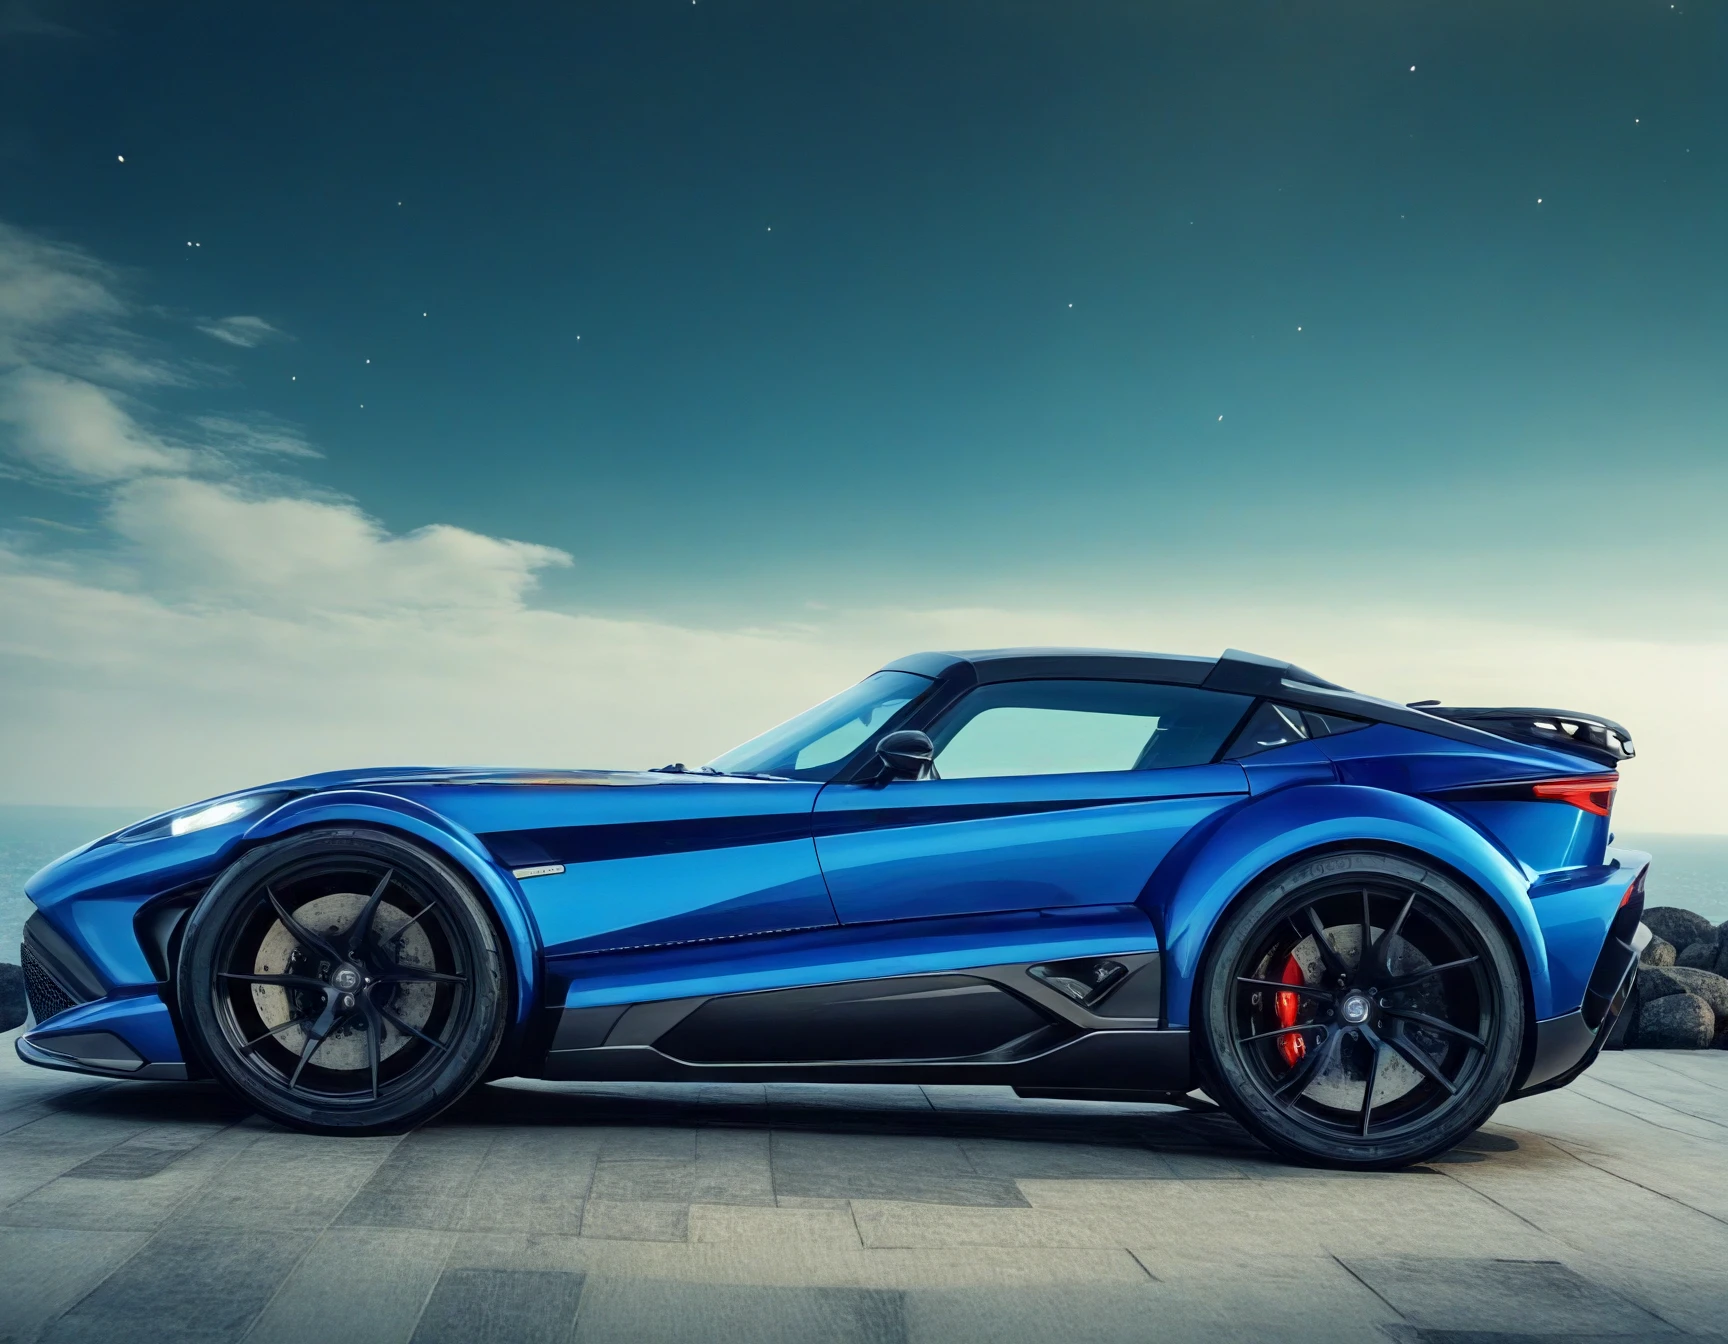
1685	870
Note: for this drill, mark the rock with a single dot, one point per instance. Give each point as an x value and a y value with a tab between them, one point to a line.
1657	982
1707	985
1659	952
14	1008
1700	956
1675	1022
1680	927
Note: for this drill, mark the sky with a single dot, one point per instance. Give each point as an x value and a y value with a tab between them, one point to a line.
598	384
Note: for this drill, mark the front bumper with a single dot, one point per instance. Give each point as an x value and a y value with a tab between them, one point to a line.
81	1026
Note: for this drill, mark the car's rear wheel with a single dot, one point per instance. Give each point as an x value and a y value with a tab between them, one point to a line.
343	981
1360	1010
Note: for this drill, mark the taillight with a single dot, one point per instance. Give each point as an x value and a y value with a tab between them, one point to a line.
1590	793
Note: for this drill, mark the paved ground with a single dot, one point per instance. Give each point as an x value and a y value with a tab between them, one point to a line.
139	1212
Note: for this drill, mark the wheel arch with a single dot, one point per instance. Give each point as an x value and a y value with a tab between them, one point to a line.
1192	892
421	826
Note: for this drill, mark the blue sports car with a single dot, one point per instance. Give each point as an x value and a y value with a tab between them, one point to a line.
1357	925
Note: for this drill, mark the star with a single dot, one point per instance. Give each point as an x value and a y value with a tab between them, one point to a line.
1220	417
1412	69
1298	328
121	157
368	361
1538	200
1070	305
293	377
425	314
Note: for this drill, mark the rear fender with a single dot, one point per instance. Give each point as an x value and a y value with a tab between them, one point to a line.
367	807
1194	888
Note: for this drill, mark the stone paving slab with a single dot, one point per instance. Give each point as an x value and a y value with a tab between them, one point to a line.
894	1215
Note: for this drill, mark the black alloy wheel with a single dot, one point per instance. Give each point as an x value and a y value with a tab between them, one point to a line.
343	981
1360	1010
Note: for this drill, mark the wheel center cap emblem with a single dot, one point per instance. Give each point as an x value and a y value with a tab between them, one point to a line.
1354	1009
346	977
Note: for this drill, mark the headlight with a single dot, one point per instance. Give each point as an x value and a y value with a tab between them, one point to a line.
214	815
203	816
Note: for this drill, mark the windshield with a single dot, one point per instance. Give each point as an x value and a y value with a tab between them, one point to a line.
811	745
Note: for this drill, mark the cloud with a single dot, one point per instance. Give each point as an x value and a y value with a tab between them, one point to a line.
241	331
225	625
212	544
45	285
71	428
256	435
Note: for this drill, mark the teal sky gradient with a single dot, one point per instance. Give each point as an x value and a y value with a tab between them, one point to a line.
821	259
602	383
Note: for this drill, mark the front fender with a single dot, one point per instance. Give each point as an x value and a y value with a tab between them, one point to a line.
1193	888
368	807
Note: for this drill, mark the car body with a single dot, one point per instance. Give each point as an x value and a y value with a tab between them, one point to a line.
1038	913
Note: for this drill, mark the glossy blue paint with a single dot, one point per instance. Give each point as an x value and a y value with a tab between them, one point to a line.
823	956
1545	838
899	857
1190	896
1574	910
666	899
374	807
141	1020
91	895
682	884
1387	756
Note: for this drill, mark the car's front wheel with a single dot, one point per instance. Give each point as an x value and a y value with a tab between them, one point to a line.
1360	1010
343	981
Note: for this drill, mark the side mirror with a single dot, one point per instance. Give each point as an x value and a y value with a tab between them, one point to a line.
907	754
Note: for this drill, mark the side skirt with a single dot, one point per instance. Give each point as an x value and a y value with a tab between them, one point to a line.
1156	1061
1085	1023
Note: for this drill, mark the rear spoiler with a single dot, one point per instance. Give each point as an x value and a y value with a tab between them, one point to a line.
1589	735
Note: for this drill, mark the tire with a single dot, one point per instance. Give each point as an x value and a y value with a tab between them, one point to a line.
1330	1074
343	982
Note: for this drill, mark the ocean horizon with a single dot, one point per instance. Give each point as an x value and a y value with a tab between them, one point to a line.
1690	871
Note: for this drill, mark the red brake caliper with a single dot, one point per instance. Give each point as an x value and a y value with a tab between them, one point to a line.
1291	1045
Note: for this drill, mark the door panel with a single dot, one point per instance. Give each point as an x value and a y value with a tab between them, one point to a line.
641	865
913	850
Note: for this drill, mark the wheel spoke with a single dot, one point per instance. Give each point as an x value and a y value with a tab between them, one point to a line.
297	981
1362	960
299	931
362	929
1328	953
1280	1031
408	1029
374	1047
1379	1048
1307	991
1418	1059
310	1049
1291	1089
1415	977
257	1041
425	910
1474	1041
1381	960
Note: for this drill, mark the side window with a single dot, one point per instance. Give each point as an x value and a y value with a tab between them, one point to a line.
1279	725
1078	727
